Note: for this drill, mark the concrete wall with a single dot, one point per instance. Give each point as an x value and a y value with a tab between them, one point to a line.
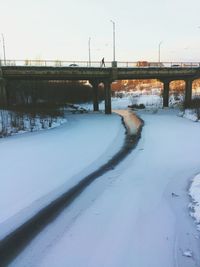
3	93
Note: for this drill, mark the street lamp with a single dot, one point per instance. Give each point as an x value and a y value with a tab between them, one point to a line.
89	52
4	50
159	51
114	62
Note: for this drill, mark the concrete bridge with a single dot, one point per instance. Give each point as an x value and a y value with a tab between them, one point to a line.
164	72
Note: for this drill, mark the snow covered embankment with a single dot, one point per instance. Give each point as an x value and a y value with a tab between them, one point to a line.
189	114
37	168
194	192
12	123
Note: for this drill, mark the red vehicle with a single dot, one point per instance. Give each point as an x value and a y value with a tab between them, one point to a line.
142	64
149	64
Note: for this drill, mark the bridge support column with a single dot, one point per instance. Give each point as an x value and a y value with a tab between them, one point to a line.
95	84
3	93
107	89
166	93
188	92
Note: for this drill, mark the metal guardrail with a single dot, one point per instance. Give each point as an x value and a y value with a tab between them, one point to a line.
53	63
97	64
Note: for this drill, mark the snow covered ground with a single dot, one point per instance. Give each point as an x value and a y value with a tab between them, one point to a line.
12	123
122	103
128	98
189	114
135	215
194	206
37	167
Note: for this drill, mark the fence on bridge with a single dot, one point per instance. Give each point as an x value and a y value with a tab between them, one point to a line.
97	64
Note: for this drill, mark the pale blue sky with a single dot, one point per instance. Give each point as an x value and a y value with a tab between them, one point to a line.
60	29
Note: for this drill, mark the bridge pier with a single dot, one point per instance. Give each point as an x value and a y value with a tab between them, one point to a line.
107	90
188	92
95	85
166	93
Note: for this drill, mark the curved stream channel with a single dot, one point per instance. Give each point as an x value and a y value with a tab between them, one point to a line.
15	243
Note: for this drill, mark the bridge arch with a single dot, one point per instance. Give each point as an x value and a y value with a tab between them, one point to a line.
177	87
187	88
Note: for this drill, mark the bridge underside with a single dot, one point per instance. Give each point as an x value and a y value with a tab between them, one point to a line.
100	75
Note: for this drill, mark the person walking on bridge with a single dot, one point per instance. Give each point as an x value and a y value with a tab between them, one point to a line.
103	62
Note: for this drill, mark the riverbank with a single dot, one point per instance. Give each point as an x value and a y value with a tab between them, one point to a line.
19	120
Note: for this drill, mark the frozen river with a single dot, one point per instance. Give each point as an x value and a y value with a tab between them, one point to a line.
134	215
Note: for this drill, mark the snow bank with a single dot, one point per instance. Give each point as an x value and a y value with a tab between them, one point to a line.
150	100
36	168
117	103
194	192
124	99
12	123
189	114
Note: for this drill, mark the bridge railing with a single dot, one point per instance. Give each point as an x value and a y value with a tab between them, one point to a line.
53	63
97	64
142	64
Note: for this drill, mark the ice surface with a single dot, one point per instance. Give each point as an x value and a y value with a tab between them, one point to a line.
130	217
38	167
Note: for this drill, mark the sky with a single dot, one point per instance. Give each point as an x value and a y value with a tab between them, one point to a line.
60	29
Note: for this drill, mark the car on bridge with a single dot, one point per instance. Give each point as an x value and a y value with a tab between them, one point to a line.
73	65
175	65
142	64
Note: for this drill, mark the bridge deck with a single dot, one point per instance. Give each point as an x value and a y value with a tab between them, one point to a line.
92	73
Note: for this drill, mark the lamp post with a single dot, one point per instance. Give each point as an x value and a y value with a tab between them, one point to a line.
4	50
89	50
114	62
159	51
